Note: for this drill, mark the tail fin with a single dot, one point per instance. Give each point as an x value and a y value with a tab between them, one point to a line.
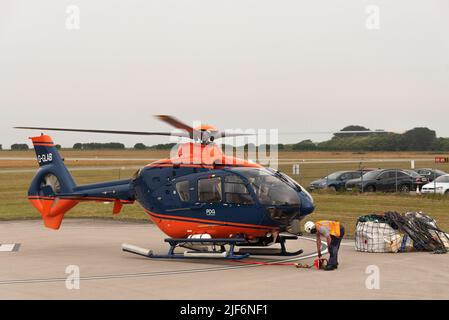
51	179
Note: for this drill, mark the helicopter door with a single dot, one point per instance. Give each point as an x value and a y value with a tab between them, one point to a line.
239	205
236	192
210	195
227	197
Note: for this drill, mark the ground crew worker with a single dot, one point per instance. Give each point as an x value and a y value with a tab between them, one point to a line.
333	231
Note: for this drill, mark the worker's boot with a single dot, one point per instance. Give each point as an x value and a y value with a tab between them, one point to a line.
329	268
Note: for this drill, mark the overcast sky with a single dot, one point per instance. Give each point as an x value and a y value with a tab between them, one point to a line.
286	64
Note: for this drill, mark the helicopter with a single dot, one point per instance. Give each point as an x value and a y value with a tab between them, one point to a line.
201	198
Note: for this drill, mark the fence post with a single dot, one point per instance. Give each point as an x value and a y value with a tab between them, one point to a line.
396	171
361	173
434	182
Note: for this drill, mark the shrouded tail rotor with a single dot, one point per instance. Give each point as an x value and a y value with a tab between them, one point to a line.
51	179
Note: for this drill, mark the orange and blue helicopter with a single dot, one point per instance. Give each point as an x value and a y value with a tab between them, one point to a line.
203	199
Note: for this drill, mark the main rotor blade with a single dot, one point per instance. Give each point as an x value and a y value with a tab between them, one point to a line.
230	135
139	133
338	132
176	123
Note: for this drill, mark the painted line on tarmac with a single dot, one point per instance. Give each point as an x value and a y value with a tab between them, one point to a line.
168	273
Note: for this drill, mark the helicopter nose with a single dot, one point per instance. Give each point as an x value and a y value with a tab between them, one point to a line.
307	205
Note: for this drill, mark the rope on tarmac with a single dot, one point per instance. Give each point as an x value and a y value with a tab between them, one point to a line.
318	264
263	263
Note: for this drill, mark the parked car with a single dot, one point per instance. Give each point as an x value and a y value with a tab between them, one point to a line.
387	180
440	186
335	181
420	179
430	174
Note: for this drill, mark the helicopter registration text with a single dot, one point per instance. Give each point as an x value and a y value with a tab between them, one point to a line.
44	158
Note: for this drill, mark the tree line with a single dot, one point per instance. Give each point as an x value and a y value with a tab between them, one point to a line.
417	139
99	146
23	147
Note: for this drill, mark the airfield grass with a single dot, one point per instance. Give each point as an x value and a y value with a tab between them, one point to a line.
345	207
131	157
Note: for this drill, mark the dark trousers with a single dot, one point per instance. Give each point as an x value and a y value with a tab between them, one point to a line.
335	246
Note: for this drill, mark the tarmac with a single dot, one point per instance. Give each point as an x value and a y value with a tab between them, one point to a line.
41	264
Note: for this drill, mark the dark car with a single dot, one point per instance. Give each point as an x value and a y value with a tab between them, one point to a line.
335	181
387	180
430	174
419	179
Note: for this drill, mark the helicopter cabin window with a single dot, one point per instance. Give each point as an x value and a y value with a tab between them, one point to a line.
236	191
209	190
183	189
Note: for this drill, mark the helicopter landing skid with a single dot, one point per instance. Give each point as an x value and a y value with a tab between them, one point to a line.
269	252
196	254
282	251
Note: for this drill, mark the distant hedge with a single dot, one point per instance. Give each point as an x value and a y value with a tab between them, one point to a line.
166	146
19	147
99	146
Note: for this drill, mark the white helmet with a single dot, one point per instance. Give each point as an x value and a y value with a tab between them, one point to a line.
309	226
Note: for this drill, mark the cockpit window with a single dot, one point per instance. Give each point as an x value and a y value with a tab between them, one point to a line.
270	189
209	190
183	189
236	191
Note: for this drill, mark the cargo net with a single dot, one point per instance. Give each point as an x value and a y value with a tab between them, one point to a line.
394	232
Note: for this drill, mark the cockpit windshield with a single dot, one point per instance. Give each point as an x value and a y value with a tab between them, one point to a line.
271	188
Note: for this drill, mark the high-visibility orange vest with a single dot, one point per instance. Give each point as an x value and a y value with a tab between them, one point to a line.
333	226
